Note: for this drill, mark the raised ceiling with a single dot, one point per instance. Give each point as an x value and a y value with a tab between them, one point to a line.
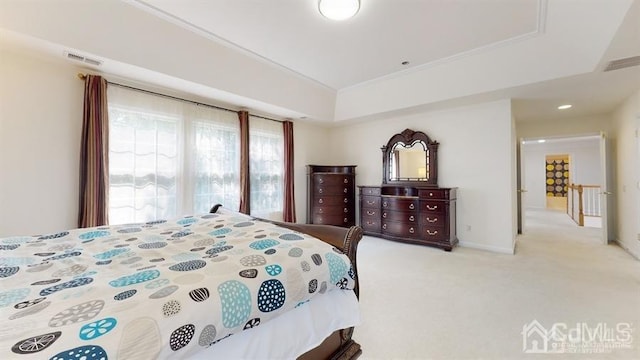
281	58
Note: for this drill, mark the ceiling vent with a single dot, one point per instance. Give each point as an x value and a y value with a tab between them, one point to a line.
623	63
83	59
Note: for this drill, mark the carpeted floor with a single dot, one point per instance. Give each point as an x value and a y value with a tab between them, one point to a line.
424	303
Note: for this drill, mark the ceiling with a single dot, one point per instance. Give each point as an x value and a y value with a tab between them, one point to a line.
384	34
540	53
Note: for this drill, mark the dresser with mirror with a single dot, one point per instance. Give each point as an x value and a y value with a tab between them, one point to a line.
409	206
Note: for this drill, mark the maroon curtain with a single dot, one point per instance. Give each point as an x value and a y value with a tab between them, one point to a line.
289	194
245	192
94	155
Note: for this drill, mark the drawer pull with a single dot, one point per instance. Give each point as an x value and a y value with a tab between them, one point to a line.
411	206
371	212
346	200
321	201
345	220
384	215
346	181
370	222
430	194
384	226
320	210
432	207
345	190
411	218
432	233
432	220
321	181
320	190
384	204
370	202
346	210
411	230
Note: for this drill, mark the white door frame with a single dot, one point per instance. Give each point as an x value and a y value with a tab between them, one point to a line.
606	193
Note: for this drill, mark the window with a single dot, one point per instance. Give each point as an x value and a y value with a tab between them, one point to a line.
168	157
266	168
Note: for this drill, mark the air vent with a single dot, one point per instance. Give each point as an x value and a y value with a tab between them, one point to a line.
623	63
83	59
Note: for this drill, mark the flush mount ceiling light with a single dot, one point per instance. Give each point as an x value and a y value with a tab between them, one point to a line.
564	107
338	9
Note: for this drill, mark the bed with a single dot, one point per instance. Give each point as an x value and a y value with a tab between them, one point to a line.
221	285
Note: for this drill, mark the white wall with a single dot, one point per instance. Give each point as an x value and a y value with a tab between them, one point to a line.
475	155
40	125
584	157
627	190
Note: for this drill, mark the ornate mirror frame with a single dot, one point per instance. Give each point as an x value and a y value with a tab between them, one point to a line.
409	136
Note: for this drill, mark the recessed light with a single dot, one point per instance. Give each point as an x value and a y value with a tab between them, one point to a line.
564	107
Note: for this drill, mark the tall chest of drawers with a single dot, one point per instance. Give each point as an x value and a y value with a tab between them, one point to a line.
331	192
419	215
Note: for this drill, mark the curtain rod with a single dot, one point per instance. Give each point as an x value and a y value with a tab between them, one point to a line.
82	76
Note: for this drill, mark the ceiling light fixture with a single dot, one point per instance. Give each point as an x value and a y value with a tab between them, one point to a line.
564	107
338	9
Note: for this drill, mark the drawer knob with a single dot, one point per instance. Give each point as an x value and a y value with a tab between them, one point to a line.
346	181
370	202
370	222
384	226
346	210
429	232
411	206
321	181
411	218
430	194
346	200
371	212
432	220
321	201
320	190
384	215
411	230
432	207
346	220
345	190
320	210
384	204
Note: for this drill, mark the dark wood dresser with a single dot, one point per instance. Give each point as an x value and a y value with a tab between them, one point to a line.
331	195
413	214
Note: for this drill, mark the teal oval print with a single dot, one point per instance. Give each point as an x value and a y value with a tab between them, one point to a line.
337	267
110	253
136	278
93	234
235	299
219	232
97	328
263	244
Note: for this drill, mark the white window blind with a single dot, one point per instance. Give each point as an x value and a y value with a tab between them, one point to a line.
266	168
169	157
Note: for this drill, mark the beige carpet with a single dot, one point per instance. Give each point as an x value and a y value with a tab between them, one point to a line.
424	303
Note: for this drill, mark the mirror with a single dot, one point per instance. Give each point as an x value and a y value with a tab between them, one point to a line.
410	157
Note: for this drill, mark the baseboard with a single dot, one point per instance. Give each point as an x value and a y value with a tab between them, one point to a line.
496	249
626	248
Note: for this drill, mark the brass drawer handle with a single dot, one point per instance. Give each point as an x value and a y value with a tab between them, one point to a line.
384	215
411	206
345	220
321	201
320	210
411	230
371	212
384	204
384	226
320	190
345	190
432	220
370	202
411	218
370	222
432	233
346	181
346	210
321	181
432	208
346	200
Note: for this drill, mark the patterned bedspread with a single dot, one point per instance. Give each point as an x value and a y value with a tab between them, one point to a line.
160	289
